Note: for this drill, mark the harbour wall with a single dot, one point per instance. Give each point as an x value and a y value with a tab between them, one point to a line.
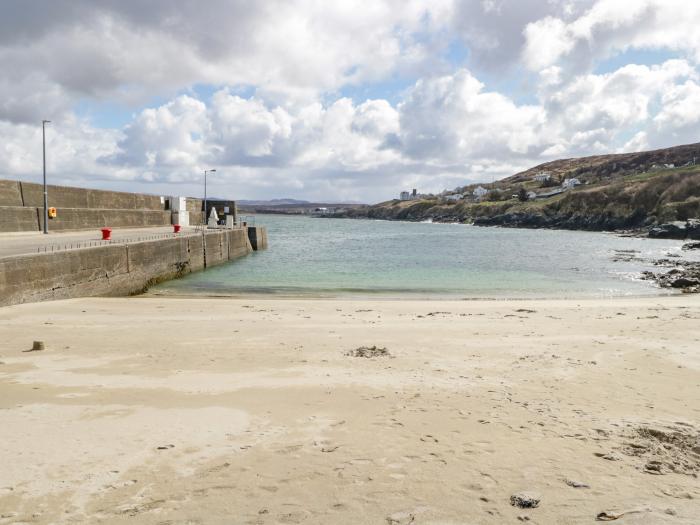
23	219
22	208
257	235
118	269
31	194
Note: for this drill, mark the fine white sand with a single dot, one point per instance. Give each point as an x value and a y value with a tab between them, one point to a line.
156	410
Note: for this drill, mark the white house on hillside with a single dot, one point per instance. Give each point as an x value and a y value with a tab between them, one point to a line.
454	197
479	192
404	196
543	176
570	183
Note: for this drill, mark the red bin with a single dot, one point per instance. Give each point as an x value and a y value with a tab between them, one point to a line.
176	228
106	234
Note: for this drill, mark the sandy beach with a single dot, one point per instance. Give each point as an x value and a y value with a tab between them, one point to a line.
168	411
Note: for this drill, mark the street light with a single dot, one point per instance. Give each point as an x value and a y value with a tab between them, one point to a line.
205	194
46	194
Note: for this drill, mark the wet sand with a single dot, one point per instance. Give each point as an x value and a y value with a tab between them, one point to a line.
167	410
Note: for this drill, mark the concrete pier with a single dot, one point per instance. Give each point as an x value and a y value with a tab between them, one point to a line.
119	268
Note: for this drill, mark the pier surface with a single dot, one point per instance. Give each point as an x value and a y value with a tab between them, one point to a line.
25	243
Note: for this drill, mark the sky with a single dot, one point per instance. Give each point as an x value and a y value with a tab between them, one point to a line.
337	101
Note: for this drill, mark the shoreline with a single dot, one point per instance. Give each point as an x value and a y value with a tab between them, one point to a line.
314	296
264	411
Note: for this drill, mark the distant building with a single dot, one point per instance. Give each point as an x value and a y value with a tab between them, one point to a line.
454	197
414	195
479	192
404	196
570	183
543	176
531	195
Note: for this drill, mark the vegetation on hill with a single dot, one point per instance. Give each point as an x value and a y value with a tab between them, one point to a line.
626	191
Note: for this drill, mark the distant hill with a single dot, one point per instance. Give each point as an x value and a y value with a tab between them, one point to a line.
610	192
272	202
292	206
600	167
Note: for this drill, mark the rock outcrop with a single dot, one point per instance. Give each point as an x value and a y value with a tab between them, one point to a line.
683	275
676	230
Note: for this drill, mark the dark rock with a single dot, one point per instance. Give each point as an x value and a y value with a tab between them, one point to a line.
670	230
693	229
684	282
525	500
368	352
684	275
691	246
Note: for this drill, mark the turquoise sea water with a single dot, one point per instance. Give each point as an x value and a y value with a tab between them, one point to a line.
345	257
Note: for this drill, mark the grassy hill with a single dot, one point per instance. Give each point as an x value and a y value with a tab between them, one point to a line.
622	191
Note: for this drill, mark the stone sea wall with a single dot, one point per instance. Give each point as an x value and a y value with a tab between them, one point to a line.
22	208
118	269
258	237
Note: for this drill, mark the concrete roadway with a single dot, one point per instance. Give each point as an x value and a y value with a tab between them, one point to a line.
21	243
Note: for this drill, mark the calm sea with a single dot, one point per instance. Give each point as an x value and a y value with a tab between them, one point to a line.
345	257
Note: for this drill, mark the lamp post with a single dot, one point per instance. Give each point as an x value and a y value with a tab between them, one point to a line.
46	194
205	193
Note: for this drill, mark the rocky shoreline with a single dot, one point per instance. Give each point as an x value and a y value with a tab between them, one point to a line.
633	224
564	222
683	275
679	274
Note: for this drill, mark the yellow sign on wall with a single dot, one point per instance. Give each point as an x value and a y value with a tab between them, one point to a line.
52	213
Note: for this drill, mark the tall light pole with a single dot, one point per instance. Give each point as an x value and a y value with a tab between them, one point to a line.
46	194
205	194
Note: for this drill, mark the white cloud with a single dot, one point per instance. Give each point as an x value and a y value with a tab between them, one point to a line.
284	49
494	29
610	27
73	149
591	112
681	107
452	119
165	137
246	128
545	42
282	119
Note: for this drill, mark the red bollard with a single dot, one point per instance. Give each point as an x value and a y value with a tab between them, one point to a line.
106	234
176	228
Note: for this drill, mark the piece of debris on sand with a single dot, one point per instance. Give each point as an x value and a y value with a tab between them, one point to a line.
37	346
368	352
577	484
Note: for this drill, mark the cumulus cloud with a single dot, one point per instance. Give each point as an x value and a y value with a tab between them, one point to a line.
131	50
168	136
494	29
453	119
592	111
266	92
612	26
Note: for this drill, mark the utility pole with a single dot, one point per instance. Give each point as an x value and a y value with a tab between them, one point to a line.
46	194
